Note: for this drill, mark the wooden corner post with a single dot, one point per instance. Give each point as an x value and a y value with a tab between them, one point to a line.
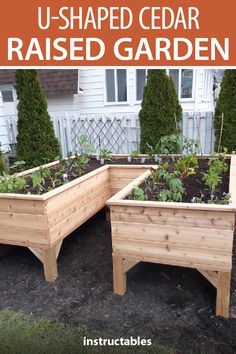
50	264
223	294
119	277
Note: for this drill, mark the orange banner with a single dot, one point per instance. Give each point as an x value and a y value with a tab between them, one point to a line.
117	33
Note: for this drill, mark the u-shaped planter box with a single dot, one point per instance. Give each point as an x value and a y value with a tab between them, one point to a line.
41	222
181	234
196	236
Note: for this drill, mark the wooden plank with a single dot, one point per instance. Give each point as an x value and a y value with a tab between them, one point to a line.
181	261
65	210
176	252
173	250
129	171
120	183
113	191
129	264
119	277
23	236
129	188
19	206
58	248
177	235
117	201
77	192
223	294
31	221
71	223
211	276
232	182
160	216
98	172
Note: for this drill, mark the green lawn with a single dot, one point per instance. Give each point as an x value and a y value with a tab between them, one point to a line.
20	334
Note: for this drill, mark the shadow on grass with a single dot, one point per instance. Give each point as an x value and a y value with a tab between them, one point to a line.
20	334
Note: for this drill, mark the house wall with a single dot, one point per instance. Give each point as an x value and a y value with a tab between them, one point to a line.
93	101
3	128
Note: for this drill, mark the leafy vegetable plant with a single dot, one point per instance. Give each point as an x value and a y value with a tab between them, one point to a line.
169	144
187	165
84	147
138	193
11	183
105	155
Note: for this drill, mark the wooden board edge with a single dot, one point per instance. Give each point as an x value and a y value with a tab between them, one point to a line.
129	188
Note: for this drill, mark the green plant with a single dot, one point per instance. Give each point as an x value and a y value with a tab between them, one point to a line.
212	177
138	193
78	163
187	165
36	141
84	147
134	154
11	183
174	192
105	155
169	144
217	166
159	173
3	165
18	166
191	146
212	180
225	113
164	195
160	111
221	201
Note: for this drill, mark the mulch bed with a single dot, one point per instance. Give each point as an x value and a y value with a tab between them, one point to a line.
174	306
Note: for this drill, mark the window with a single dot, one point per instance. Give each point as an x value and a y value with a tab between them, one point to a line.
7	96
186	83
141	78
183	81
116	85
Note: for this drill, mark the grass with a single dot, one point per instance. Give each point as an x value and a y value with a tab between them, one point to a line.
21	334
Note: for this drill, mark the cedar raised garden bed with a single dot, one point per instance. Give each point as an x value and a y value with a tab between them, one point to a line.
181	234
41	222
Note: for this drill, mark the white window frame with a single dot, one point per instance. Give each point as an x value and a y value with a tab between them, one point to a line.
190	99
135	84
116	102
8	88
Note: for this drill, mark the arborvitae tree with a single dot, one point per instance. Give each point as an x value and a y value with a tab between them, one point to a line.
226	105
3	165
36	141
160	109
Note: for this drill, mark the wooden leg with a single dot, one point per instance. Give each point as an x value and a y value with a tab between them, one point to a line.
50	264
223	294
119	277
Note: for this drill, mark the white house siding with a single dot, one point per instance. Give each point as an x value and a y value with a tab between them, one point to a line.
62	104
93	101
3	128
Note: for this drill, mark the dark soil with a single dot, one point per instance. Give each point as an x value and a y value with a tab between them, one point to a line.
173	306
194	185
67	171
